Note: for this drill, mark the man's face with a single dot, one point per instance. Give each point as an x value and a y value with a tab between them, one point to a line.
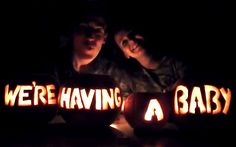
88	40
130	43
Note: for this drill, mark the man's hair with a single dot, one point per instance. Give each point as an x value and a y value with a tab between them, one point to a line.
97	18
91	17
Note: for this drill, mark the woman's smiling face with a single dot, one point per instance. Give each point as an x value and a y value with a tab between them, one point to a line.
130	43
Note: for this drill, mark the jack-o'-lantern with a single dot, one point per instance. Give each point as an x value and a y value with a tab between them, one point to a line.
203	106
28	100
89	100
147	110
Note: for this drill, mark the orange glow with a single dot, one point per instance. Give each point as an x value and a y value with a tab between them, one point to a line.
227	97
215	98
118	99
87	99
123	106
23	94
208	89
34	83
33	92
98	99
154	108
10	96
123	126
64	97
196	95
40	92
51	95
182	99
213	95
75	99
104	99
107	99
40	95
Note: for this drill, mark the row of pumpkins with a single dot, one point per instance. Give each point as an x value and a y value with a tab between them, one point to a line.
89	100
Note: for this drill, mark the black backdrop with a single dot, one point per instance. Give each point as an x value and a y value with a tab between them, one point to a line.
195	31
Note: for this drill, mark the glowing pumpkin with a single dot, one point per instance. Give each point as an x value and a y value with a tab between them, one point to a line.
203	106
190	101
28	100
89	100
146	110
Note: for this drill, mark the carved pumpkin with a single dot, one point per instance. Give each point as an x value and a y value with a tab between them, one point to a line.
28	100
147	110
89	100
203	106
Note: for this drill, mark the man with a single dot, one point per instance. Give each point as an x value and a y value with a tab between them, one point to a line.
88	40
84	47
82	55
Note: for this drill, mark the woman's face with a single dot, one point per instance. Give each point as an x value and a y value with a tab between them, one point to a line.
130	43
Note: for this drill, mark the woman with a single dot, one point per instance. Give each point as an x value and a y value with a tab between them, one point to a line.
154	73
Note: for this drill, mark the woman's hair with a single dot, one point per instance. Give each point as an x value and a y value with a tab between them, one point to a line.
150	44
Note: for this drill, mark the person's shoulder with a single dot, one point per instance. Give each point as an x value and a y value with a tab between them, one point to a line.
104	65
100	60
168	60
178	66
63	66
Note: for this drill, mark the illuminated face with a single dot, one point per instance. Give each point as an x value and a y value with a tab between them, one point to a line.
130	43
88	40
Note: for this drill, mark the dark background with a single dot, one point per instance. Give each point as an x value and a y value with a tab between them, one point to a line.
197	32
